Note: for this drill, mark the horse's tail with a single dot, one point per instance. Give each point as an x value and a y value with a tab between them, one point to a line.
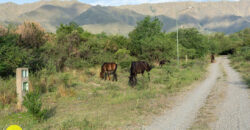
114	72
102	71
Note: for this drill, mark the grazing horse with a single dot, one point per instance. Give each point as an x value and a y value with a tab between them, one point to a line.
212	58
108	69
138	67
163	62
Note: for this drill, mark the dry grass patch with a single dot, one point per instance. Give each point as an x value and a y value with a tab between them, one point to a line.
81	96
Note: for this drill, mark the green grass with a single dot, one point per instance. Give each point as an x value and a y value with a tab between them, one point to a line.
243	66
91	103
24	120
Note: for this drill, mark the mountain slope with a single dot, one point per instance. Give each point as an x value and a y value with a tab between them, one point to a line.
107	15
10	11
200	9
227	17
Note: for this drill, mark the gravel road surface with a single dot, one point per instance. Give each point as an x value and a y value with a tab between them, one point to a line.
233	115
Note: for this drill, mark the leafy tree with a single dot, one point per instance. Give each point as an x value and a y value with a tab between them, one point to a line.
68	39
157	48
146	28
96	50
64	29
124	58
11	55
114	43
241	43
192	39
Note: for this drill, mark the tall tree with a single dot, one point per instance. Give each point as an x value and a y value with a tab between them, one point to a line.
147	28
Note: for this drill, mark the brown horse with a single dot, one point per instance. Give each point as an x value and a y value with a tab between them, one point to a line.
138	67
108	69
212	58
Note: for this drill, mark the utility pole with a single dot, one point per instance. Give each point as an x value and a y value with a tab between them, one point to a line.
177	31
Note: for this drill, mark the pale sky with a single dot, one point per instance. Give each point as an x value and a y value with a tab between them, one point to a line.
111	2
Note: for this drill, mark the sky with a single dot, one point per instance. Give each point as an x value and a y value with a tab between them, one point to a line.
111	2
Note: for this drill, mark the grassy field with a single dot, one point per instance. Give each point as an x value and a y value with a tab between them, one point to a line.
243	66
79	99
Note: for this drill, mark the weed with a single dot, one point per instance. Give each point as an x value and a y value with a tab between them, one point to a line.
112	87
64	91
33	104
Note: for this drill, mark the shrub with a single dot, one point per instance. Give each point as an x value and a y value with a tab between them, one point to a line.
7	91
33	104
123	57
245	52
32	35
3	31
64	91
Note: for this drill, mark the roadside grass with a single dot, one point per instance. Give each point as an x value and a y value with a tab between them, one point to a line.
243	66
79	99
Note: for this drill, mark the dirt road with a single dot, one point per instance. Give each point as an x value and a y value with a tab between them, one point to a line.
234	112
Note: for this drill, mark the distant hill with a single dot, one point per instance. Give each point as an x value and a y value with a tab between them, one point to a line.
227	17
108	15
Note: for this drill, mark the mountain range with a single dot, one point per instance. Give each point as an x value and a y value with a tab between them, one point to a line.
227	17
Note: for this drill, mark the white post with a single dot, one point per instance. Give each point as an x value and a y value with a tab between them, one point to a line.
22	85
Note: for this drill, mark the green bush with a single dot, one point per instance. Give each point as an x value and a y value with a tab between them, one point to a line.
11	56
33	104
124	59
245	52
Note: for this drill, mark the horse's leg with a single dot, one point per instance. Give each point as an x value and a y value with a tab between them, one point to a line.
109	75
105	75
114	77
130	81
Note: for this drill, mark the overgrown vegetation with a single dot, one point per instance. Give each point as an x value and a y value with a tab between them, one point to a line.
241	57
33	104
65	71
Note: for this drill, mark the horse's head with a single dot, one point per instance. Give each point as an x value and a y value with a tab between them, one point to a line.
132	80
151	67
